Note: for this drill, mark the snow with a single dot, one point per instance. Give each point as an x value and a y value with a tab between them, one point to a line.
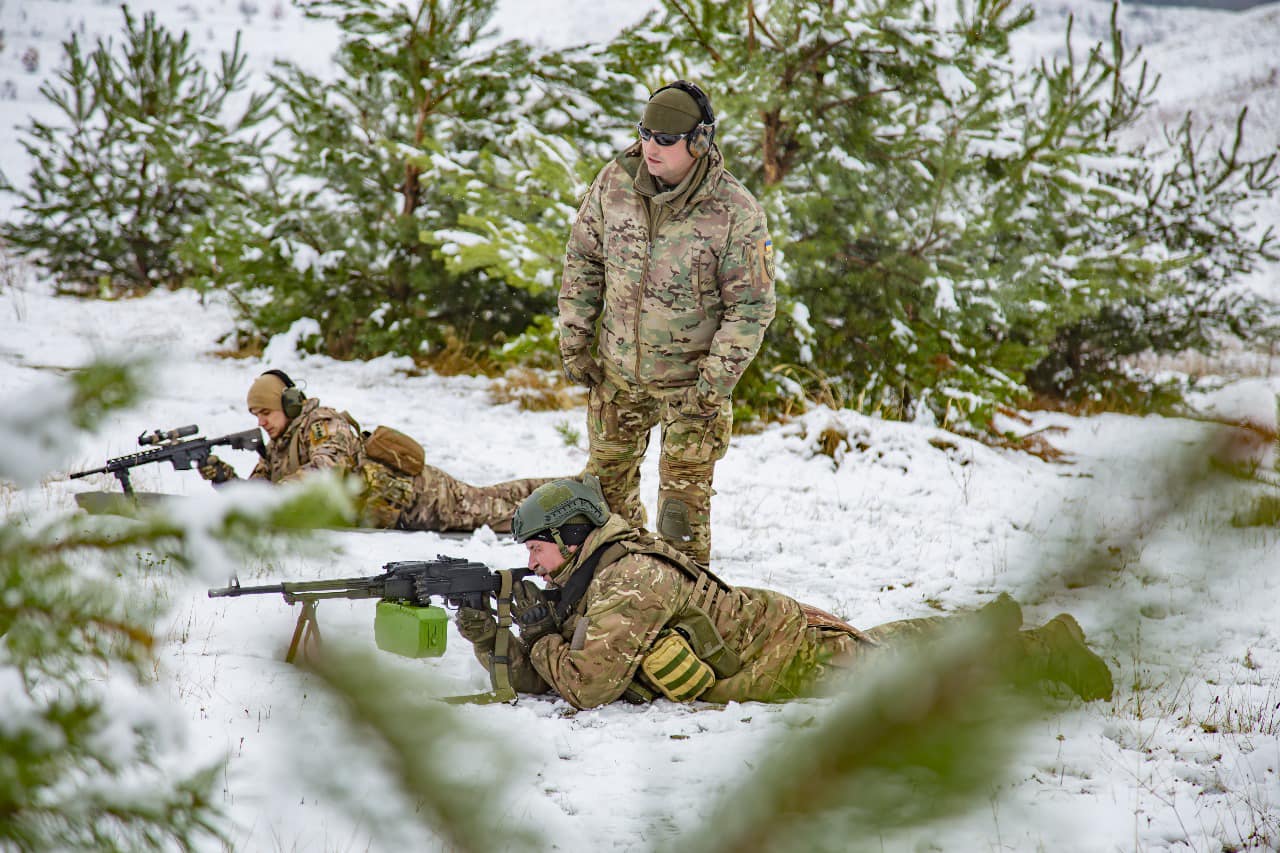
902	520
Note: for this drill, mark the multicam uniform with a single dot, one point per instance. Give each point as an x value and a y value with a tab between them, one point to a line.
318	439
637	593
680	283
640	593
321	438
442	502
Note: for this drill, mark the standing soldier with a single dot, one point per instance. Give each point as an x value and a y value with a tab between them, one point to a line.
670	258
401	491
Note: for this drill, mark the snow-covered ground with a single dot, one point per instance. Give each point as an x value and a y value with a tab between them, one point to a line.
909	521
904	521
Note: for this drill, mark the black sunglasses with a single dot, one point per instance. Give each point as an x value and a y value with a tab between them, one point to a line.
663	139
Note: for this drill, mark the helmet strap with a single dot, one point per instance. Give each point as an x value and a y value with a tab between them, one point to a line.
564	549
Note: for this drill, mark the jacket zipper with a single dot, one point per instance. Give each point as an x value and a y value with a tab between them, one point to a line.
644	276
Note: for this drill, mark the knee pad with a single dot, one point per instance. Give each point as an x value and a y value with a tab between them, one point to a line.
673	521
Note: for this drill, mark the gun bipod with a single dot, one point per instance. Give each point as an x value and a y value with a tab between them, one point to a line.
306	632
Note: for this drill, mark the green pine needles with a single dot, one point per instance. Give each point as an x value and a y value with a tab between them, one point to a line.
88	759
141	152
956	233
426	191
92	754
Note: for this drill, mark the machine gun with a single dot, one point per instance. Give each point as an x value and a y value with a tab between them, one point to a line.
404	623
169	446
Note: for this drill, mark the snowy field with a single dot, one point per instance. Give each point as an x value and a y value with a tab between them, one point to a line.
904	521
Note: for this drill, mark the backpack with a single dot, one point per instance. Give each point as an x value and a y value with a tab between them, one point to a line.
392	461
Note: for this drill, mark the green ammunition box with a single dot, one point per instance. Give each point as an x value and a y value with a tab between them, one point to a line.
414	632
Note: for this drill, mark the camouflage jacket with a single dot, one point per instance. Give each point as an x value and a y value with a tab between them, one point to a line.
680	282
317	439
594	657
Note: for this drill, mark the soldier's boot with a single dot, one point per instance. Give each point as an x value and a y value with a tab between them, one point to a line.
496	504
1056	652
1003	616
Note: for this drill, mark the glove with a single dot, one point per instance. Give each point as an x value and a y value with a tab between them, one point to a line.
533	613
216	471
582	369
478	627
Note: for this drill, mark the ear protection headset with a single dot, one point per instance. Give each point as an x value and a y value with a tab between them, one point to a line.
291	398
700	138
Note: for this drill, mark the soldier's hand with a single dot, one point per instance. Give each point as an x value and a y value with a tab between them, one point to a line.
693	405
533	613
582	369
478	627
216	471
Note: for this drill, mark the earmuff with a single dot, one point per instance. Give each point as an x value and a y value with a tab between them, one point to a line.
291	398
699	140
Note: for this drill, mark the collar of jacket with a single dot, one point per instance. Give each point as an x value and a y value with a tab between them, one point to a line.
614	529
700	181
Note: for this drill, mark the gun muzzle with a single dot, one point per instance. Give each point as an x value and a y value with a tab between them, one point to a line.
158	437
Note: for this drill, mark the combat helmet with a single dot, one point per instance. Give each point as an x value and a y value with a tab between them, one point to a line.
562	511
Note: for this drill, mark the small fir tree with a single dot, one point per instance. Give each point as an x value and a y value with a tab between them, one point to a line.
91	757
140	154
359	226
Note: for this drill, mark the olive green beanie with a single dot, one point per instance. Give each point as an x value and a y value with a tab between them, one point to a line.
672	111
265	393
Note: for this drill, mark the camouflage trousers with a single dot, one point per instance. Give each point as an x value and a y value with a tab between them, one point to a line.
619	419
842	651
830	652
442	502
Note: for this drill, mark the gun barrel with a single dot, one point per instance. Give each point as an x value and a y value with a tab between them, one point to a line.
370	587
77	475
237	590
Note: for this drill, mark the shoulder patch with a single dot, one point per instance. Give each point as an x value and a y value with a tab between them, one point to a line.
764	251
318	432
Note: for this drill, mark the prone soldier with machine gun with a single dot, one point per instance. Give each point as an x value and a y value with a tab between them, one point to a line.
169	447
405	622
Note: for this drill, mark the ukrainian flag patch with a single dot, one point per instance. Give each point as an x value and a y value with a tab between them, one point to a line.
764	250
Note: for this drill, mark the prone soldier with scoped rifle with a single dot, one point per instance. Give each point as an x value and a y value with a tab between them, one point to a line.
399	489
168	446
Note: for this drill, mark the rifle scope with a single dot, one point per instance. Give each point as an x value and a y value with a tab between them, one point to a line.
159	437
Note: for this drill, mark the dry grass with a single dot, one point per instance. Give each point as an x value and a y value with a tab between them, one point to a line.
1233	360
244	346
458	358
536	390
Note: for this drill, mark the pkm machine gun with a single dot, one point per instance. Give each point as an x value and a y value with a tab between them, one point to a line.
405	622
168	446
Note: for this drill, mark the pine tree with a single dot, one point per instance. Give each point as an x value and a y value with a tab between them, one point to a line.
140	154
91	757
74	649
362	218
